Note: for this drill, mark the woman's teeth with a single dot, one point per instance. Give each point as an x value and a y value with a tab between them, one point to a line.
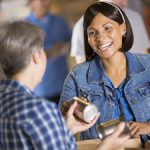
104	46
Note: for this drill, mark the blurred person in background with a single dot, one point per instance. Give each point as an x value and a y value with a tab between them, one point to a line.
136	5
57	37
141	40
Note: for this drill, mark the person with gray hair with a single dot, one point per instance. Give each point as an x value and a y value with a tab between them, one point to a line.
26	120
56	41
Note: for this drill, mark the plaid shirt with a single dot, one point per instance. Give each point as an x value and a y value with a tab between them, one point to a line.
29	122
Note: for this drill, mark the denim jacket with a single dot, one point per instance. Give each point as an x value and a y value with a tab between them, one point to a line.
88	80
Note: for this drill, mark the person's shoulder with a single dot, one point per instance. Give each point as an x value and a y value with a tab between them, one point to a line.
82	68
35	104
144	58
40	101
37	107
56	17
132	13
29	17
82	65
78	26
79	22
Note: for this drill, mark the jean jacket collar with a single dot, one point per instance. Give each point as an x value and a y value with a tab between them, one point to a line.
97	73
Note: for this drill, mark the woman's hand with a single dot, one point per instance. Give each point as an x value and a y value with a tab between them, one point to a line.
75	124
137	128
116	140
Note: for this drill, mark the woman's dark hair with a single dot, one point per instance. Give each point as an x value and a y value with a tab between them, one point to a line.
113	12
18	40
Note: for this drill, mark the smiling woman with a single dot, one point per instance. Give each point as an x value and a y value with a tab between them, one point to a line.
116	22
111	78
101	33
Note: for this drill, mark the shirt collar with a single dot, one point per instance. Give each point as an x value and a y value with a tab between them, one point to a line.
97	73
135	66
15	85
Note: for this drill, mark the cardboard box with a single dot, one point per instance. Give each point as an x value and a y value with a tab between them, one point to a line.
132	144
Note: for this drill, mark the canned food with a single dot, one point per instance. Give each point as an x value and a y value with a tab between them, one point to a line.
85	110
107	128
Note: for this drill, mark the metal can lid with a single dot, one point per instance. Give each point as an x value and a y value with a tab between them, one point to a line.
90	112
100	135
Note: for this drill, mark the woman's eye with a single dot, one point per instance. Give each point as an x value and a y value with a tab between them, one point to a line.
108	28
91	33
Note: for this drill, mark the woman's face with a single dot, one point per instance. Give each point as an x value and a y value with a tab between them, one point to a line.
105	36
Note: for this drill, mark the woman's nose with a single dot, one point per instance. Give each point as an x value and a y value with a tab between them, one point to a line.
100	36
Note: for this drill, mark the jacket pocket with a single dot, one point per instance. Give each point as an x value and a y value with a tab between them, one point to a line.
90	94
144	89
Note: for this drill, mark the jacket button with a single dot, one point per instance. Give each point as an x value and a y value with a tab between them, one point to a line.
133	101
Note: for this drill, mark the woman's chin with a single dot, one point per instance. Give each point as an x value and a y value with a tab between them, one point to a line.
105	54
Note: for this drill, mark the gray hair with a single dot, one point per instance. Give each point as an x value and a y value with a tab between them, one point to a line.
18	40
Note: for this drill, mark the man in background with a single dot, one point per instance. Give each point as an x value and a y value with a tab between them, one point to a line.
57	37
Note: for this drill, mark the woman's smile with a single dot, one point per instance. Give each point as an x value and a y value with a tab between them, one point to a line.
104	47
105	36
